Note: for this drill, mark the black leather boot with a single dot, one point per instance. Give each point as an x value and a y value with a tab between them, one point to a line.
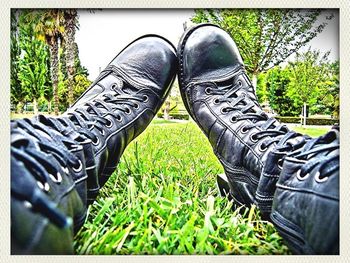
46	206
306	203
219	96
120	104
59	163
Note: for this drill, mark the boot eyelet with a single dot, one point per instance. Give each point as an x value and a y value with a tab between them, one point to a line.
45	187
109	124
253	138
216	101
102	132
119	118
223	111
244	130
127	111
80	167
319	179
302	177
208	90
239	82
57	179
136	106
145	98
96	142
234	119
262	147
280	163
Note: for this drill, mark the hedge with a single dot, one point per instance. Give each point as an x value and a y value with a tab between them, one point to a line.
309	121
179	115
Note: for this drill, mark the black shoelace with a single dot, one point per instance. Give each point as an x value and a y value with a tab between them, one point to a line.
244	103
320	153
92	115
51	143
29	182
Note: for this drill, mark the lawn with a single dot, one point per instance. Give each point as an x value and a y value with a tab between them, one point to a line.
312	131
163	200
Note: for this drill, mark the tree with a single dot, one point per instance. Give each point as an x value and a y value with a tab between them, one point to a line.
71	24
80	84
49	27
265	37
309	73
277	85
334	89
33	68
328	94
18	95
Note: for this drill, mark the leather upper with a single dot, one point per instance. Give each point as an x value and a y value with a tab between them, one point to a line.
83	145
219	96
205	54
122	101
45	194
306	202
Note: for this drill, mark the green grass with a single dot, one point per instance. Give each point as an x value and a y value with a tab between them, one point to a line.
311	131
162	121
163	200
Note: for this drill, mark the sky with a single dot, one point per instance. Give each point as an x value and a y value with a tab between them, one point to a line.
103	33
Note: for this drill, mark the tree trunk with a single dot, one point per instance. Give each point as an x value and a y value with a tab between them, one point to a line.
19	107
35	106
166	110
54	58
70	17
304	115
255	81
49	106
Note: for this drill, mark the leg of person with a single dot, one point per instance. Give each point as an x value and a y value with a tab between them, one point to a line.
220	98
58	164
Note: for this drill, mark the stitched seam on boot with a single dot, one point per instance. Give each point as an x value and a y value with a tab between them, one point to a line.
235	134
306	191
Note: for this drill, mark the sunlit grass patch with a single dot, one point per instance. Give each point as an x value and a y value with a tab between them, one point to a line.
163	200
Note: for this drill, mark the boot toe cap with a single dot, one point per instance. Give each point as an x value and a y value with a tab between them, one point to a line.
208	53
149	61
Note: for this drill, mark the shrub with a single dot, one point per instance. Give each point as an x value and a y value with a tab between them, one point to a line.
309	121
180	116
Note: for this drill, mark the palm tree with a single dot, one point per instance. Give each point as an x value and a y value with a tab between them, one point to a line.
49	27
70	24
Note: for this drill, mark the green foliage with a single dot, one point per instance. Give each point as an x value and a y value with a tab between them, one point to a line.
329	93
309	120
80	84
265	37
261	89
32	61
163	200
17	94
308	74
79	68
33	71
277	85
313	82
